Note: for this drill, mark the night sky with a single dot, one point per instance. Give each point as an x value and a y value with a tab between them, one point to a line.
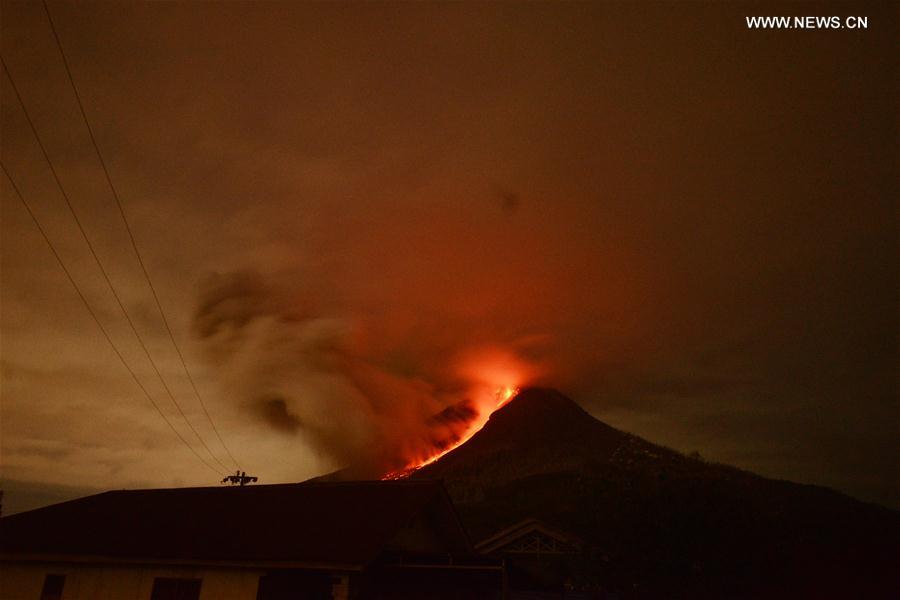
355	215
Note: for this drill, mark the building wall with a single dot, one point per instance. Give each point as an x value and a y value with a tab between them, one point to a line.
23	581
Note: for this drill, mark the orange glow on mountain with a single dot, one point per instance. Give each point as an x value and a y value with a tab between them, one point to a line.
506	394
500	397
492	376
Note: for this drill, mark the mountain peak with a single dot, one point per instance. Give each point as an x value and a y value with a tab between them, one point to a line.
536	402
539	429
536	415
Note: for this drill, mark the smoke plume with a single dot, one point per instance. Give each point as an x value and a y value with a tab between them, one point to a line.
305	374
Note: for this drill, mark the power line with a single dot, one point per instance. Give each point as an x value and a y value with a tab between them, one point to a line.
137	253
90	246
96	319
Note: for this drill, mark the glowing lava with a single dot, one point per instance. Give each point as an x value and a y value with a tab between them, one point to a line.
501	397
505	394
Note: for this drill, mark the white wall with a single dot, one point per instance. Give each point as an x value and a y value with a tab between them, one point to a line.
24	581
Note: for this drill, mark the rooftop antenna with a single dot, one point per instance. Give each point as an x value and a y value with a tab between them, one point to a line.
240	478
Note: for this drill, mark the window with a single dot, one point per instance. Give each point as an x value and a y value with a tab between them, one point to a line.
53	587
170	588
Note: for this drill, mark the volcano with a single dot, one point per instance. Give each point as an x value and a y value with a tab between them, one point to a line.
656	523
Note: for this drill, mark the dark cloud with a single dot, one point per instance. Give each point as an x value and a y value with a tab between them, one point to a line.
230	302
510	202
275	412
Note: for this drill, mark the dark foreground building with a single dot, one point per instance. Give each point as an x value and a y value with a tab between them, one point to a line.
393	539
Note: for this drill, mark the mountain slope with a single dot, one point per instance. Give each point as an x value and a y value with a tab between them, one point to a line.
658	523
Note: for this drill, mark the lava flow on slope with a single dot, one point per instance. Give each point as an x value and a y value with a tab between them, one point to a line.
501	397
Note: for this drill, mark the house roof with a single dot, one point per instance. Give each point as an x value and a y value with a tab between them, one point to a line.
346	524
522	529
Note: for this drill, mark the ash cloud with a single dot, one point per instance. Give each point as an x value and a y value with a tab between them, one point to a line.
306	375
275	412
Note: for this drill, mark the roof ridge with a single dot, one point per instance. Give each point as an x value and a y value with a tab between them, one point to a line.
307	483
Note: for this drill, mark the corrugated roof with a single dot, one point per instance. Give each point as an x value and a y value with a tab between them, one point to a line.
316	523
